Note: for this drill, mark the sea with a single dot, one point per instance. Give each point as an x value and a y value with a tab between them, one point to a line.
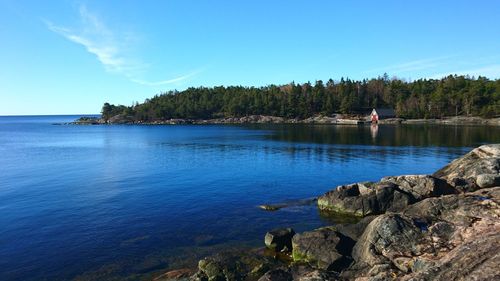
127	202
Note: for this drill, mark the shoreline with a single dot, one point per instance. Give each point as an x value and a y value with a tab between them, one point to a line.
262	119
443	226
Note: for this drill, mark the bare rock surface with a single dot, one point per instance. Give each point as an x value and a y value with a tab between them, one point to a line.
421	186
463	172
453	237
324	248
391	194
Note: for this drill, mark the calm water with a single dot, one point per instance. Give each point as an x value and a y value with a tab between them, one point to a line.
101	202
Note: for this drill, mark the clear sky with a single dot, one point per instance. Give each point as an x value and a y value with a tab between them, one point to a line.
69	57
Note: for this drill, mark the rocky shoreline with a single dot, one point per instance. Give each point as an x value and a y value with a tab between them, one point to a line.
444	226
263	119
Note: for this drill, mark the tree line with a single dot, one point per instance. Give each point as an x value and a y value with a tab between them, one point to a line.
423	98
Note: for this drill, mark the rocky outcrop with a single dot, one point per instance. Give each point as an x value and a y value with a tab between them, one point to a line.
445	238
482	163
414	227
323	248
455	120
386	240
421	186
391	194
362	199
89	121
266	119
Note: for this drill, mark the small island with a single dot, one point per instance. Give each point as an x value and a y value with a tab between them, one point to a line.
450	100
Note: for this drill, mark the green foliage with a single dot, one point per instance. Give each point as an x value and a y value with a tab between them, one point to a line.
452	95
109	110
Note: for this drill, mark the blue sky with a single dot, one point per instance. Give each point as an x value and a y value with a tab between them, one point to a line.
69	57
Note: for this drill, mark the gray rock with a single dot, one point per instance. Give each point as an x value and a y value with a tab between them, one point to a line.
452	237
387	237
421	186
323	248
279	274
233	266
317	275
288	204
488	180
279	239
391	194
375	198
354	230
482	160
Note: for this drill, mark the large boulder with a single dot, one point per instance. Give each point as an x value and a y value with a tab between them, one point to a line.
387	237
323	248
391	194
452	237
421	186
463	172
279	240
363	199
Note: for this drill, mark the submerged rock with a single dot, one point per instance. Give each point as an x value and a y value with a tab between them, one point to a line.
288	204
271	207
183	274
236	265
279	239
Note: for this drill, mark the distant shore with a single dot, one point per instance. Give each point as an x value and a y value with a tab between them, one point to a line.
263	119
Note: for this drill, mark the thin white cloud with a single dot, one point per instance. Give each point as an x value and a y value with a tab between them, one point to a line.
490	71
100	41
421	64
165	82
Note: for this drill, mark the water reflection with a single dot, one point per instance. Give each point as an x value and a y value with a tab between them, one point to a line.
374	130
385	135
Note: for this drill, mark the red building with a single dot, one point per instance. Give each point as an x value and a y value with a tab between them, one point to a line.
381	113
